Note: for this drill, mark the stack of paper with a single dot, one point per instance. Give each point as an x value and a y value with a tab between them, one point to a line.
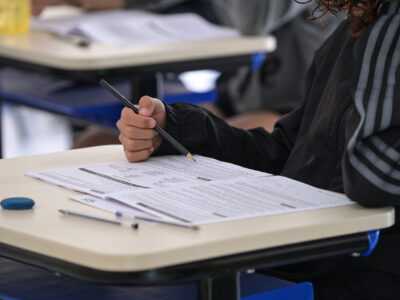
134	28
176	189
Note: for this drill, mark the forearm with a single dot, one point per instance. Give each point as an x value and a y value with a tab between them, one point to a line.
98	4
151	4
203	133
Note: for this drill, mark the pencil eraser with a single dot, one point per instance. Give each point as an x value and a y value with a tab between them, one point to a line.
17	203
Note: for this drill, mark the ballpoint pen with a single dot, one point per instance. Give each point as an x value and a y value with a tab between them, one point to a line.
96	218
77	40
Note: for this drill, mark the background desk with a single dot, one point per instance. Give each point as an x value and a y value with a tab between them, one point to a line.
43	49
43	52
162	254
142	66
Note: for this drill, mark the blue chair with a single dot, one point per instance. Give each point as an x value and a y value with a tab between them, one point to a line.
86	102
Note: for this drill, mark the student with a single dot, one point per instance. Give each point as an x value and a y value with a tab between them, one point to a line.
252	98
344	137
249	98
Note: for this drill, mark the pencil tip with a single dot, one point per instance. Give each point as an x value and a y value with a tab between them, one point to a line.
62	211
190	156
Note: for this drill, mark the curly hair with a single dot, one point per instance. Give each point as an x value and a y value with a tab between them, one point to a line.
369	9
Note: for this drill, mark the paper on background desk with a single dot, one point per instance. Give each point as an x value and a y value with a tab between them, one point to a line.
134	28
156	172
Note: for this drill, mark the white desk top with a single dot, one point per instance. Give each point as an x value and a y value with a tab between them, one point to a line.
44	49
108	247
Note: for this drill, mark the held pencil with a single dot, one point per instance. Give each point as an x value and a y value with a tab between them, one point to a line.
157	128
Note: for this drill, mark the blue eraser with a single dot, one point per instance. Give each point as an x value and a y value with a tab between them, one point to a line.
17	203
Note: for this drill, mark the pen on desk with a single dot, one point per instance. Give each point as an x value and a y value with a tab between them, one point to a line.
157	128
154	220
76	40
96	218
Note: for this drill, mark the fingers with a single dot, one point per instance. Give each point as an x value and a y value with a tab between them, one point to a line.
102	4
129	117
135	144
153	107
137	133
131	131
134	156
37	6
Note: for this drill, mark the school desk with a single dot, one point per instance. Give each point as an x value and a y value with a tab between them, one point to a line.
213	255
142	66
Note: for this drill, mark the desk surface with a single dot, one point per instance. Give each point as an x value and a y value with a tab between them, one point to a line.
111	248
44	49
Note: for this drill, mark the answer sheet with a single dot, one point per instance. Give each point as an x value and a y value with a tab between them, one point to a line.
110	205
231	199
156	172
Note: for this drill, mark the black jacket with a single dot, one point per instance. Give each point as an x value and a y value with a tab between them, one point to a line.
345	136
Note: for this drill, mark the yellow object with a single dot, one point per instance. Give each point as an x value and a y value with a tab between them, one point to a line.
14	16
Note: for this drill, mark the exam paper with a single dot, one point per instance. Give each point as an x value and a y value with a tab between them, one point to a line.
231	199
135	28
156	172
111	205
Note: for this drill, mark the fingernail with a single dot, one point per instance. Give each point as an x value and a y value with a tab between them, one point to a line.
152	123
151	149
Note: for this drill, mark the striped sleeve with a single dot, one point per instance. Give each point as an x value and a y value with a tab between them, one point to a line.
371	164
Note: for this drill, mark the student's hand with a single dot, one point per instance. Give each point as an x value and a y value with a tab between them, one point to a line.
136	133
102	4
39	5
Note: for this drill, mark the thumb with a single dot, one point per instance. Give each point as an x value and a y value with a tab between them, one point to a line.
153	108
146	106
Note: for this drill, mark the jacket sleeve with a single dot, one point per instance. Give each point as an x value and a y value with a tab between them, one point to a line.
203	133
256	16
371	164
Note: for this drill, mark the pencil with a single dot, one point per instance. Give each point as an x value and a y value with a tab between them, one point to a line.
154	220
96	218
157	128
